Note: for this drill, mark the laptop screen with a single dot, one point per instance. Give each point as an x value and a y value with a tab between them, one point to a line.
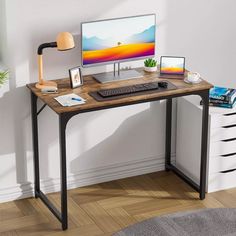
172	65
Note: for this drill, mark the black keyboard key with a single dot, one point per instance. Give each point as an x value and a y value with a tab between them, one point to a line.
131	89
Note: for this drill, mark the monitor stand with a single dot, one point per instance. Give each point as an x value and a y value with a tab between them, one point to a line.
117	75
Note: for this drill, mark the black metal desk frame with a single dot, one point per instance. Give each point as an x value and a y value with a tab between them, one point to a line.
65	117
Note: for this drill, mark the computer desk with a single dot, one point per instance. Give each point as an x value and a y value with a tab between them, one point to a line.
66	113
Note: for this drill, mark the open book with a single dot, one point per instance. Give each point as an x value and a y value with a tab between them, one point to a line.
69	100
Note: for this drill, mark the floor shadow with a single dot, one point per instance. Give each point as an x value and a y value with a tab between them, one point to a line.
158	186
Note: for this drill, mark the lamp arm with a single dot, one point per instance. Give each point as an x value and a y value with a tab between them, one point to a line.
40	58
46	45
40	68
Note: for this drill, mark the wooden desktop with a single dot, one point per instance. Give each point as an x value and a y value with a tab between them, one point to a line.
90	85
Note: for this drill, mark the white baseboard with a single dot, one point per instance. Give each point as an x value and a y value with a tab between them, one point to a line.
89	177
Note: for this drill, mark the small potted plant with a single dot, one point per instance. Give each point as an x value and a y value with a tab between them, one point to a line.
150	65
3	77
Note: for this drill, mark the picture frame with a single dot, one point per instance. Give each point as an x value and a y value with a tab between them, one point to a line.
76	78
172	65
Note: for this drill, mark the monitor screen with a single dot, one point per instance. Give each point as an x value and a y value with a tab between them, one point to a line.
116	40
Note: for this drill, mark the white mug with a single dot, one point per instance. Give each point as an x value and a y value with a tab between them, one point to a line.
193	77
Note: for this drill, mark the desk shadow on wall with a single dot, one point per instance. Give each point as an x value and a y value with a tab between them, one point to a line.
138	137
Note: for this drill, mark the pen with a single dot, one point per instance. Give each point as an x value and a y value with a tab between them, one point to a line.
76	99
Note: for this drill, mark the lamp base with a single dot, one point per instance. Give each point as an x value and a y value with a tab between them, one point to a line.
46	84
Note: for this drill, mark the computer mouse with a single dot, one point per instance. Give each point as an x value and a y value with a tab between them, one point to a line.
163	84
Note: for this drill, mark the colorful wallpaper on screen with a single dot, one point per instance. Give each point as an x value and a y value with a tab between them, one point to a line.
172	65
119	39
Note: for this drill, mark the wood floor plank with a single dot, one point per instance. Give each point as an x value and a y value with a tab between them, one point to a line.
76	213
152	205
122	201
102	209
55	199
101	217
21	222
121	217
231	191
172	187
211	202
85	189
132	188
150	186
42	209
39	229
26	207
106	234
88	230
6	205
170	210
113	185
9	233
10	213
226	198
159	174
103	193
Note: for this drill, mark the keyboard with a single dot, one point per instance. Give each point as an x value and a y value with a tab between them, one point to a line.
132	89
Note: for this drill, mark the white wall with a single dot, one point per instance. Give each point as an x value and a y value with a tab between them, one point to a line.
107	144
205	32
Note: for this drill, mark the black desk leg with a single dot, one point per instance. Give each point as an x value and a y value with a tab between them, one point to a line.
62	139
168	133
35	143
204	144
63	119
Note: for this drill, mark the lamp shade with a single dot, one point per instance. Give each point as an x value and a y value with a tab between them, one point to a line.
65	41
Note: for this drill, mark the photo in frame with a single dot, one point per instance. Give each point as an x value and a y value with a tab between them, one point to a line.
76	78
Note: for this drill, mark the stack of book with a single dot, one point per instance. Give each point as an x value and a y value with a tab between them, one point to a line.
222	97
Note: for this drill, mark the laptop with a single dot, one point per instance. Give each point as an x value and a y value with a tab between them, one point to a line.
172	67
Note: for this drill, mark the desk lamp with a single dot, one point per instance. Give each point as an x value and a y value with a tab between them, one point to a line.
64	41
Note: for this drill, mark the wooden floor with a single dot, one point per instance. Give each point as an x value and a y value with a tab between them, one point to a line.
103	209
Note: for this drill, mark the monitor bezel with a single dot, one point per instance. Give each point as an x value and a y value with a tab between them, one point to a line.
115	61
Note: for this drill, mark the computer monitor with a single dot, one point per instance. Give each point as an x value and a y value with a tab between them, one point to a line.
118	40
